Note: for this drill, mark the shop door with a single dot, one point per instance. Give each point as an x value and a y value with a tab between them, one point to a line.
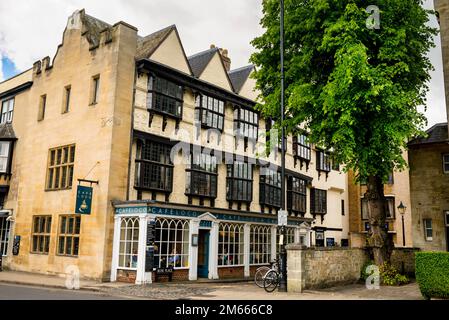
203	254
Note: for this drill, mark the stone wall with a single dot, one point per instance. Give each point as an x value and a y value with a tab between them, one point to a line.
323	267
314	268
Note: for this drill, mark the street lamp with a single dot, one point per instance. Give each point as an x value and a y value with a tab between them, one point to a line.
283	253
401	209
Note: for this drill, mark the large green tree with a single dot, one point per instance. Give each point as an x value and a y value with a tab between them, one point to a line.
356	84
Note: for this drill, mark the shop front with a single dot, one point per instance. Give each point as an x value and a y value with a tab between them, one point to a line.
154	240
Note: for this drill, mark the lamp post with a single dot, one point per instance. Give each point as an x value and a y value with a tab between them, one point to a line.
401	209
283	253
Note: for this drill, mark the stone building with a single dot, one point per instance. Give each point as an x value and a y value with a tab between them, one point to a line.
174	151
429	167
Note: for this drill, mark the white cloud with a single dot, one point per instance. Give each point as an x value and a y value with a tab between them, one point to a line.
31	30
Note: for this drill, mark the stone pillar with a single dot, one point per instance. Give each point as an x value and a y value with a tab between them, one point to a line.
295	268
213	251
193	251
273	243
297	234
115	248
142	277
246	248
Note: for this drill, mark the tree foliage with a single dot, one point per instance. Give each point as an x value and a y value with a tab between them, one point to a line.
357	90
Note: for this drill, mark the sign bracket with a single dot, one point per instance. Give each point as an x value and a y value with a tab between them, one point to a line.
87	181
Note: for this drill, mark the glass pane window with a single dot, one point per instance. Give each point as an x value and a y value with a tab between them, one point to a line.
296	194
230	244
209	112
7	110
270	187
60	167
4	155
289	237
165	96
390	207
239	182
5	229
446	163
318	201
260	245
129	242
172	243
69	233
246	123
40	236
154	168
302	148
202	175
323	162
428	230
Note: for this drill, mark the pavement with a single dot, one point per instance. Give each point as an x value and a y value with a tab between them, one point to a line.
54	287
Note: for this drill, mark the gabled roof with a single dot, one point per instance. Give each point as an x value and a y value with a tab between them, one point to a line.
239	76
147	45
7	132
436	134
199	61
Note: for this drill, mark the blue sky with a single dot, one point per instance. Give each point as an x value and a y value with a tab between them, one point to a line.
8	68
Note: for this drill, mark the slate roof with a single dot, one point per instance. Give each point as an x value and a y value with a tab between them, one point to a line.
92	28
239	76
199	61
7	132
147	45
436	134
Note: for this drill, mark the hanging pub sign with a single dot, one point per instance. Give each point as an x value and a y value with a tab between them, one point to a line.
83	200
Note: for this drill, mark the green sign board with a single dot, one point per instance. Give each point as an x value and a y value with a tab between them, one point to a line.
83	200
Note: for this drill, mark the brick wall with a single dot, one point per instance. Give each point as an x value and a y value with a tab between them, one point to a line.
231	272
126	276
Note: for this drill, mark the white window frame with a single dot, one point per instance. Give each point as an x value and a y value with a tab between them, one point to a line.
7	110
426	228
260	237
445	162
235	244
165	225
5	234
4	155
128	243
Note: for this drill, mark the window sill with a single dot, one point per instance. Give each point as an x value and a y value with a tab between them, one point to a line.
64	189
66	256
231	266
39	253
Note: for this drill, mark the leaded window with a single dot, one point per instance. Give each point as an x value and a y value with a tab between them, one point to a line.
230	244
164	96
7	110
246	123
41	234
209	112
301	147
323	162
270	188
446	163
129	243
154	168
389	208
296	194
239	182
428	229
260	245
5	149
318	201
172	243
60	167
202	175
69	235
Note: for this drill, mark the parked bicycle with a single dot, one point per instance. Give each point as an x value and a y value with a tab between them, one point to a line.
271	280
263	271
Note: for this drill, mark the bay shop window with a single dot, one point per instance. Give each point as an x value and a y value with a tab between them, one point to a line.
260	245
239	183
270	188
230	244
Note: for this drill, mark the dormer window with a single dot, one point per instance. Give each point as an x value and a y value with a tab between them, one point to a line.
7	110
209	112
164	97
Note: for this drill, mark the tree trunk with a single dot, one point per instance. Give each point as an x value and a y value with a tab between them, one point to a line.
378	238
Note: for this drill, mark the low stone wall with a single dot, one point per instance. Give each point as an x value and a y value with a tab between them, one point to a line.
403	259
314	268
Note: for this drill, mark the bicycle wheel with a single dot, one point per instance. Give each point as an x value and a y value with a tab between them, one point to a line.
271	281
260	274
